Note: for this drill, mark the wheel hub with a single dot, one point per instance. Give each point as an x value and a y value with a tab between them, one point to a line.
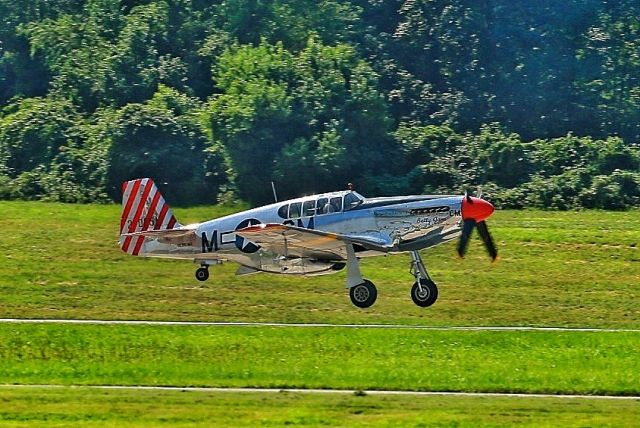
423	294
361	293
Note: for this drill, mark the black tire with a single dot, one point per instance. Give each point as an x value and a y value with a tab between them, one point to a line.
202	274
363	295
429	293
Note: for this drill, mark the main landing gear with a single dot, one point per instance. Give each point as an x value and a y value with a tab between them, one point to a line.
363	293
424	291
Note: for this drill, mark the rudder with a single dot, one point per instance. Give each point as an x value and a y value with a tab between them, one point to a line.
143	208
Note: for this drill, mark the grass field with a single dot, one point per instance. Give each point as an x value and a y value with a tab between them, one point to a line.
556	268
34	407
577	269
276	357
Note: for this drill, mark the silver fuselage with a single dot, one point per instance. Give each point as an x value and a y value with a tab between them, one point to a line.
395	224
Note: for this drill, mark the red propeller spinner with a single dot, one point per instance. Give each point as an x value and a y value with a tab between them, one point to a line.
474	212
476	208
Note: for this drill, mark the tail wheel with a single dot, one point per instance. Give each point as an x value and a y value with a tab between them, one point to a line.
202	274
427	296
363	295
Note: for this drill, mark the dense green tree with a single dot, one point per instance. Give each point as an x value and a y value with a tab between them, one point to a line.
526	63
311	121
394	95
32	133
22	74
290	22
102	57
609	76
162	139
44	154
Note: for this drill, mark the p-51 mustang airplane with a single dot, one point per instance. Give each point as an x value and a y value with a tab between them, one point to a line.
312	235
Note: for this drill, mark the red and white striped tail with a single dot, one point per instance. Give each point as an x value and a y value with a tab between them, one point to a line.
143	208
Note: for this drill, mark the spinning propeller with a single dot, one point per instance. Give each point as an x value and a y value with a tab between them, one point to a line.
474	213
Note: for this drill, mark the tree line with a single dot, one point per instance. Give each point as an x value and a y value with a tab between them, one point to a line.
535	102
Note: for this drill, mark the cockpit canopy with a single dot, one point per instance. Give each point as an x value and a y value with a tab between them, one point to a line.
321	204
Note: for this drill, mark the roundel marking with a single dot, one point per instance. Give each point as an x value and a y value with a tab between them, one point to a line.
245	245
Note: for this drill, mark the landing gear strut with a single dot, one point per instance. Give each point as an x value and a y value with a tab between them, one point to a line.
202	273
424	291
361	291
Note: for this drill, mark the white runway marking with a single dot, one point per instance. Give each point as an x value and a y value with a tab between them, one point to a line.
327	391
315	325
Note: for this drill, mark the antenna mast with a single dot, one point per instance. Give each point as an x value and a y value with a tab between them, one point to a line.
273	187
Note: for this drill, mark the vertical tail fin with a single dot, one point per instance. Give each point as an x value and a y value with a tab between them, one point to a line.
143	208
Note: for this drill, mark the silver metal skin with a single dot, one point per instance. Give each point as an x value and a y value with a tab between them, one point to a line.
385	225
312	235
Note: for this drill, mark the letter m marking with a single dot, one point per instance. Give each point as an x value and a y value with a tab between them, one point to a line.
210	245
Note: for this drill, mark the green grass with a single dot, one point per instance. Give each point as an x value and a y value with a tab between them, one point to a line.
556	268
35	407
279	357
560	269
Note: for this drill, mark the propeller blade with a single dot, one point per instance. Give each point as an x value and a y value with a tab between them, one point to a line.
483	231
467	228
468	197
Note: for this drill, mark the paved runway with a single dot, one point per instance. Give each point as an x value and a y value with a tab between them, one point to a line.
314	325
328	391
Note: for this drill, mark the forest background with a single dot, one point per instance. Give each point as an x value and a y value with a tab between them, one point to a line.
536	102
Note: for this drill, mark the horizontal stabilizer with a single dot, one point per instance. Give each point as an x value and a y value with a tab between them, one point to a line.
168	233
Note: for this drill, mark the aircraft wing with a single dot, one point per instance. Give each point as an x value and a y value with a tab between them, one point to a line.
292	241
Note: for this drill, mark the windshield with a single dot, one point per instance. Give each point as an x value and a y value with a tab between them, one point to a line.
352	200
